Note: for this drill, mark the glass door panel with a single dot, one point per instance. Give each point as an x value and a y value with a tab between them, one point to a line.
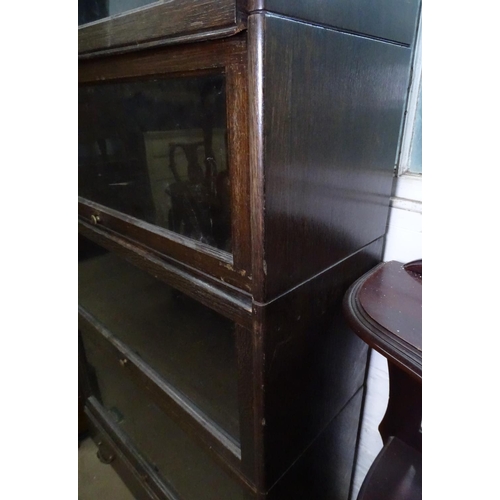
165	446
157	150
189	345
93	10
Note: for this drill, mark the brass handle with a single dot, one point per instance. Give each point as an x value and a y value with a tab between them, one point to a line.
95	219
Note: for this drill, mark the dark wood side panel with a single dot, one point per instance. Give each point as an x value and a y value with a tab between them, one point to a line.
173	19
330	135
313	363
325	469
256	149
388	19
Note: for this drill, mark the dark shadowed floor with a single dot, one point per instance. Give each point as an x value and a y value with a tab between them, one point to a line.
97	481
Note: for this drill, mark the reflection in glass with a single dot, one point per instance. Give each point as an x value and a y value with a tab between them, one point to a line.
192	347
156	150
166	447
92	10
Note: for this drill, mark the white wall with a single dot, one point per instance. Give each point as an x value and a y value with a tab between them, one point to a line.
404	237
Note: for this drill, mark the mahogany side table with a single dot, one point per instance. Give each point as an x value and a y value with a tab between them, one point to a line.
384	308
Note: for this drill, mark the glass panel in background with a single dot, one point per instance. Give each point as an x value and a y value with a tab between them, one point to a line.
156	150
192	347
188	468
93	10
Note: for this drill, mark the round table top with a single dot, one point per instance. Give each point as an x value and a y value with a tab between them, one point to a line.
384	307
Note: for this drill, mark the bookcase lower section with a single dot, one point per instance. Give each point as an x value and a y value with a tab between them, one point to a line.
323	471
309	373
185	472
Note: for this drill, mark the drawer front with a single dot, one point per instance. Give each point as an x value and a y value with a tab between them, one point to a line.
185	468
187	344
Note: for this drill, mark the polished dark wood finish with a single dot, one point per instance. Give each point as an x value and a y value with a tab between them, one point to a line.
396	474
188	58
175	21
312	363
327	142
313	116
387	19
250	409
324	469
237	124
403	415
414	267
385	310
384	307
399	308
256	151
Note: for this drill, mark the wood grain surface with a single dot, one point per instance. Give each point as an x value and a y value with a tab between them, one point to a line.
313	117
324	470
311	362
392	297
324	132
388	19
160	22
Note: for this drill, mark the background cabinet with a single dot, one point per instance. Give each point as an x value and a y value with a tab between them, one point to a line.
235	172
